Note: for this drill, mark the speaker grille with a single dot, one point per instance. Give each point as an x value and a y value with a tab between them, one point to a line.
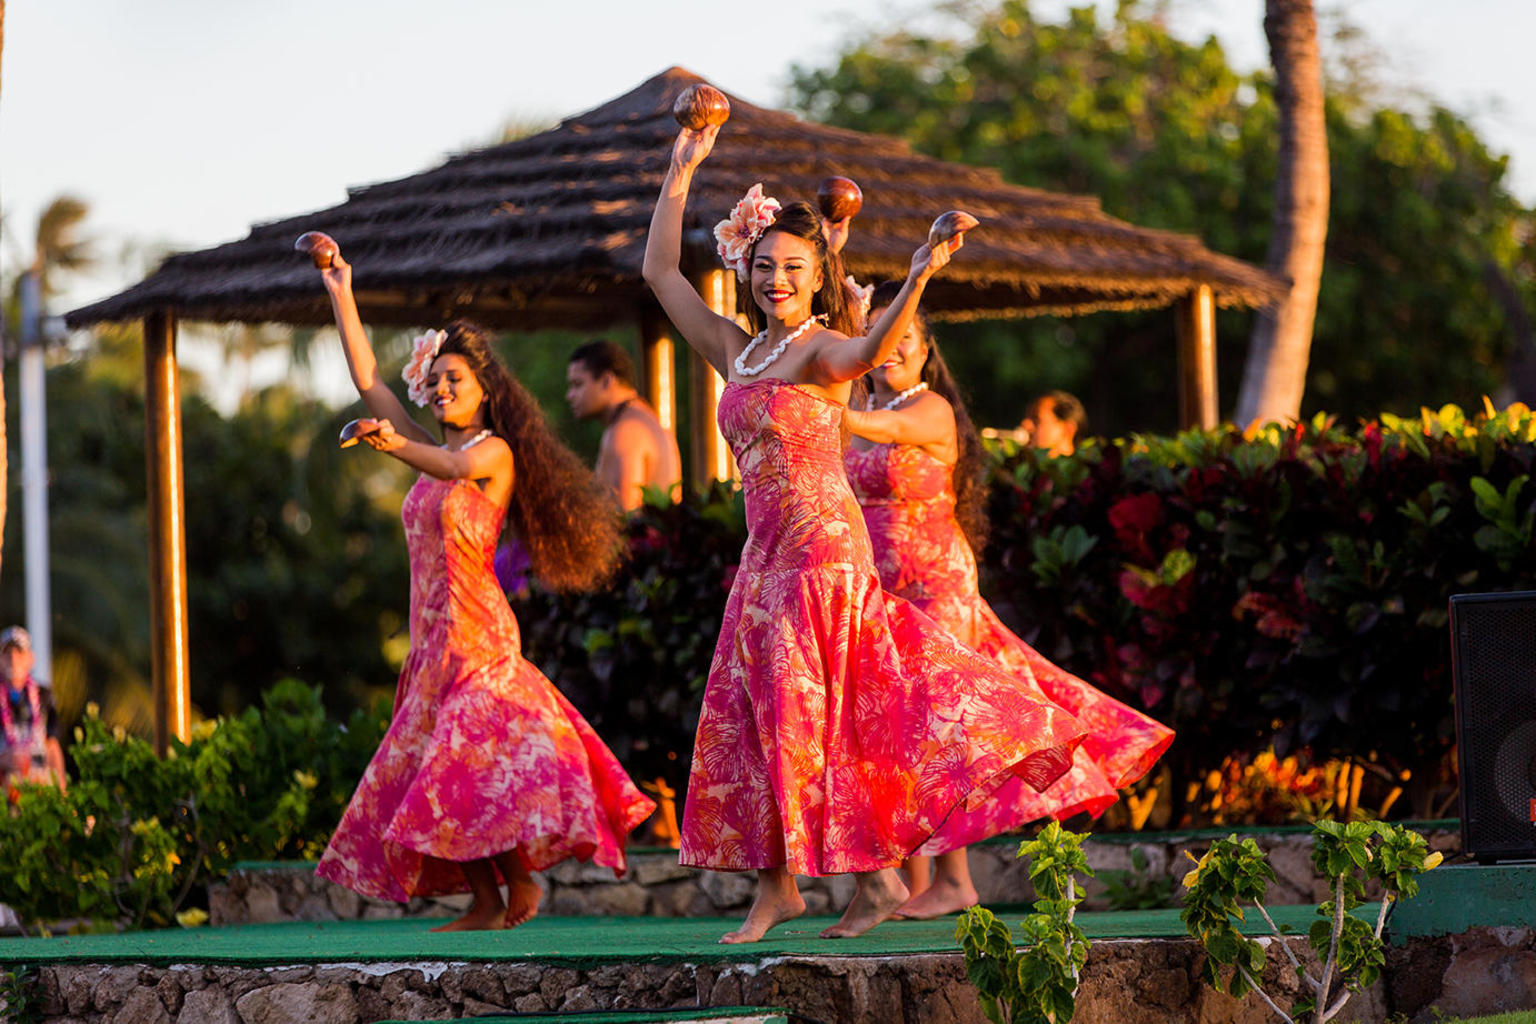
1493	663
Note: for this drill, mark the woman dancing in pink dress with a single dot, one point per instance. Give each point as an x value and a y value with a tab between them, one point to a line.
914	449
839	728
486	767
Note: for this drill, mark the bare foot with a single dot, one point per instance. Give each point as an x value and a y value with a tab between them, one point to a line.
773	905
482	915
945	896
523	897
880	893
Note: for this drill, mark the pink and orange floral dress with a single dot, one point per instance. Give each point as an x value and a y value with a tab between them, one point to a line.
840	727
921	553
483	755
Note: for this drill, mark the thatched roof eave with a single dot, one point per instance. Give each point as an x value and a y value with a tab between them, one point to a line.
550	231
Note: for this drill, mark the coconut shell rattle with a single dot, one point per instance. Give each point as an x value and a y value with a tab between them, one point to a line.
353	433
701	105
318	246
948	225
839	198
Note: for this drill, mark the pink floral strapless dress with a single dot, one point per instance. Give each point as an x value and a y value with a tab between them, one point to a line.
840	727
483	755
922	555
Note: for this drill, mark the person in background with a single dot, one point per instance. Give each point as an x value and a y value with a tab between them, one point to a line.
29	740
636	451
1054	422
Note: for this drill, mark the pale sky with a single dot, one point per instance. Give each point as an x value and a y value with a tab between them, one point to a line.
186	121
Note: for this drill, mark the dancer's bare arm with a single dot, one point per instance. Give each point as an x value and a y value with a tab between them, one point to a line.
489	460
928	421
377	396
838	359
712	336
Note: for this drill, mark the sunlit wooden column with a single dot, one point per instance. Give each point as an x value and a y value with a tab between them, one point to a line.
711	457
1196	318
658	364
167	532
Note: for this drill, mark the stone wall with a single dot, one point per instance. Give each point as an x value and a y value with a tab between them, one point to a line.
657	886
1126	982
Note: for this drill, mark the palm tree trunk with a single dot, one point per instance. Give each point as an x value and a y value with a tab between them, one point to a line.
1276	372
4	450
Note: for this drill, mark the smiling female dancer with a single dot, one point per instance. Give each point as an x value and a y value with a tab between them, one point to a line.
915	465
839	727
486	767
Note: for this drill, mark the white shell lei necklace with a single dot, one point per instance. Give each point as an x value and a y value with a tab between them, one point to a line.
778	350
487	432
869	403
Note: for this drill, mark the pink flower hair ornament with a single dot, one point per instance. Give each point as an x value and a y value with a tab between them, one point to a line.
423	352
736	235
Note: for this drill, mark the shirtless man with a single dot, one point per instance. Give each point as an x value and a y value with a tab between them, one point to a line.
636	451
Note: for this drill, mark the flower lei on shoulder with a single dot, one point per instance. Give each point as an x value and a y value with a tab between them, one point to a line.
736	235
423	352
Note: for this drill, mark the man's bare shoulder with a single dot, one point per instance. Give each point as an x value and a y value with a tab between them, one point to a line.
634	421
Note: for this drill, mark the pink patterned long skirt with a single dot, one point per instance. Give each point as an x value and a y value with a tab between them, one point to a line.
840	726
483	755
922	555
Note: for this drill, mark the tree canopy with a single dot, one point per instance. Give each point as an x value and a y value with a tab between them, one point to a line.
1168	134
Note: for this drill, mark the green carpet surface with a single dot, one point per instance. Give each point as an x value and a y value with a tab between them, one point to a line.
568	941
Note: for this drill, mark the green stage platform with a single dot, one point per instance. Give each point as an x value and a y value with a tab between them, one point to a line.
1456	897
706	1015
573	942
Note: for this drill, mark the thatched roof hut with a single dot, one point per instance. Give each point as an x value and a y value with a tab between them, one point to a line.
550	230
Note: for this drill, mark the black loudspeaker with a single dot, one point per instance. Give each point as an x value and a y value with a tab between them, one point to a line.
1493	671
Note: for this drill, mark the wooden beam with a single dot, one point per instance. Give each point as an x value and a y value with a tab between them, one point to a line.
658	364
1195	315
710	456
167	532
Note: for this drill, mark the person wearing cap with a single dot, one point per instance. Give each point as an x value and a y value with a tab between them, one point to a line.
29	726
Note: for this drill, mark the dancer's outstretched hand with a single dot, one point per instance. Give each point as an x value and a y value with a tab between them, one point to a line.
338	276
926	262
837	232
379	435
693	146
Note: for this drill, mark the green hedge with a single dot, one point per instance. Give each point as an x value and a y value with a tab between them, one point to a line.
1287	588
136	838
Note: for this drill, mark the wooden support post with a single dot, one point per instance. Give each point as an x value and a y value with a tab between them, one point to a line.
1196	318
167	532
658	365
711	457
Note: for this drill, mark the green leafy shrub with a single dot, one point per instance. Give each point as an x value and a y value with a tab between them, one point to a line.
136	836
1137	888
1234	872
1284	589
1035	980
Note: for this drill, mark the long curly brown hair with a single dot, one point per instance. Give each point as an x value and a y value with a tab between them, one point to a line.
970	469
800	220
562	514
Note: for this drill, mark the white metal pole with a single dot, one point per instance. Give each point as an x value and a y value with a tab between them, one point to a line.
33	385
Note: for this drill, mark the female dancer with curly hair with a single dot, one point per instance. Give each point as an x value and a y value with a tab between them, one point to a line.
486	767
915	465
839	728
